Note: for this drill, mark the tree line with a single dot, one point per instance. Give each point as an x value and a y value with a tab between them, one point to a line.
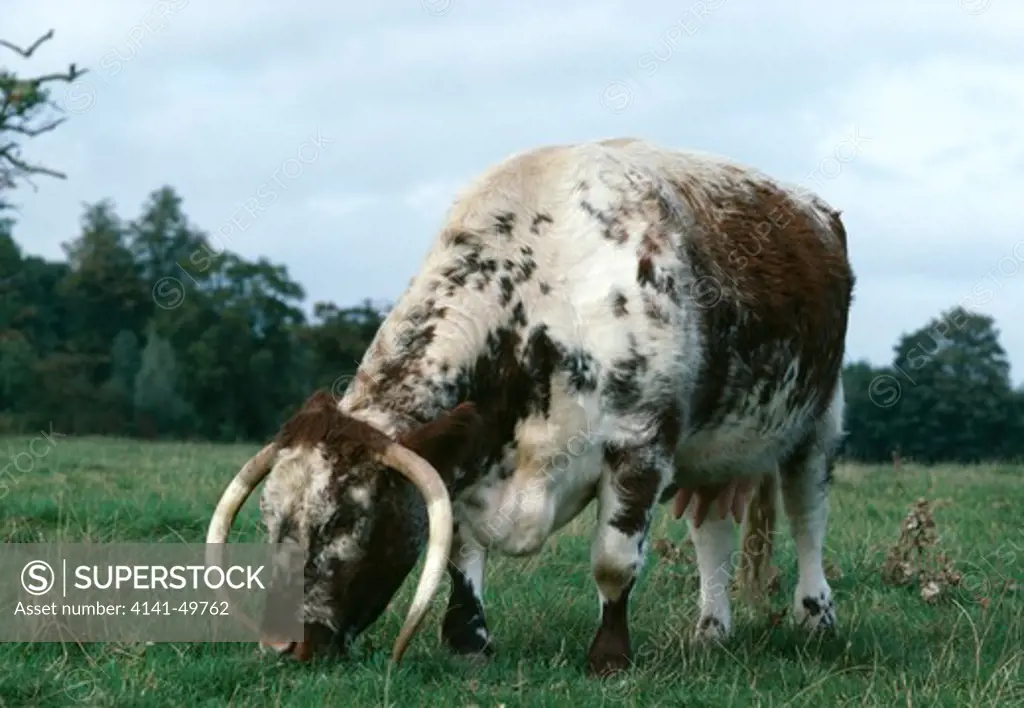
146	329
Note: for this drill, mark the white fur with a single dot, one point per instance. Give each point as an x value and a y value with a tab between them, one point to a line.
714	543
556	468
581	268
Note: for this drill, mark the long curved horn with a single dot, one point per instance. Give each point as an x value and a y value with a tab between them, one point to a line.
439	514
231	501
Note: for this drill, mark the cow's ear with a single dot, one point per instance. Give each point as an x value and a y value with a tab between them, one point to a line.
449	440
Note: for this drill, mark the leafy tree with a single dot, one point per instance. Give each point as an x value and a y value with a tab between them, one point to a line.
946	396
11	304
338	338
125	359
65	394
17	360
165	245
103	289
956	405
871	395
248	364
118	392
157	402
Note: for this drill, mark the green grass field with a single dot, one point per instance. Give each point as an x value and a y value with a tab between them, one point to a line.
964	648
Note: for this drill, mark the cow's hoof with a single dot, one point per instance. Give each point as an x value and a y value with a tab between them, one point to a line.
710	630
601	665
478	658
608	656
473	652
816	613
474	644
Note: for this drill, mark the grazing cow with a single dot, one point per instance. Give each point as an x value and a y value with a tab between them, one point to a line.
609	321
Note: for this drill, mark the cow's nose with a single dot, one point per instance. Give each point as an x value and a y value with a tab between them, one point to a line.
270	645
317	637
300	650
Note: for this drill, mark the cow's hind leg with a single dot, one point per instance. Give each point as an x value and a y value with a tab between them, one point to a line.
714	543
465	628
805	480
631	483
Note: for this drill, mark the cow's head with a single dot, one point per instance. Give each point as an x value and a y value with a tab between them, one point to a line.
352	499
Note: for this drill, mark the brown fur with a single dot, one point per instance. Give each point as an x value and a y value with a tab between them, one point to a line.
444	442
759	240
319	421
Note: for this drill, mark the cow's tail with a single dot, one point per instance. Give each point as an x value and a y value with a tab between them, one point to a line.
758	538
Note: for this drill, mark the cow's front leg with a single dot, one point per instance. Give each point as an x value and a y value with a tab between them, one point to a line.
631	483
464	630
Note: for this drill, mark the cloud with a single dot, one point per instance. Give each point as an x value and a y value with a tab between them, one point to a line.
217	98
938	188
431	199
342	205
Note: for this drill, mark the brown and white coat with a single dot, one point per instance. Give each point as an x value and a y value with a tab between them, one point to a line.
606	321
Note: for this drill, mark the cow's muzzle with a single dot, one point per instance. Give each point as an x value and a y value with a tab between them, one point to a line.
318	639
299	650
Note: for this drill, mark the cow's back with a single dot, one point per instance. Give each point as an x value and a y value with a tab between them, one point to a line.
769	291
634	286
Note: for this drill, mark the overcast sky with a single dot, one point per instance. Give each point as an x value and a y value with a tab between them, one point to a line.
346	127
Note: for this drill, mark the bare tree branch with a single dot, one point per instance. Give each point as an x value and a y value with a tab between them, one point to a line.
26	53
32	169
33	132
23	102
